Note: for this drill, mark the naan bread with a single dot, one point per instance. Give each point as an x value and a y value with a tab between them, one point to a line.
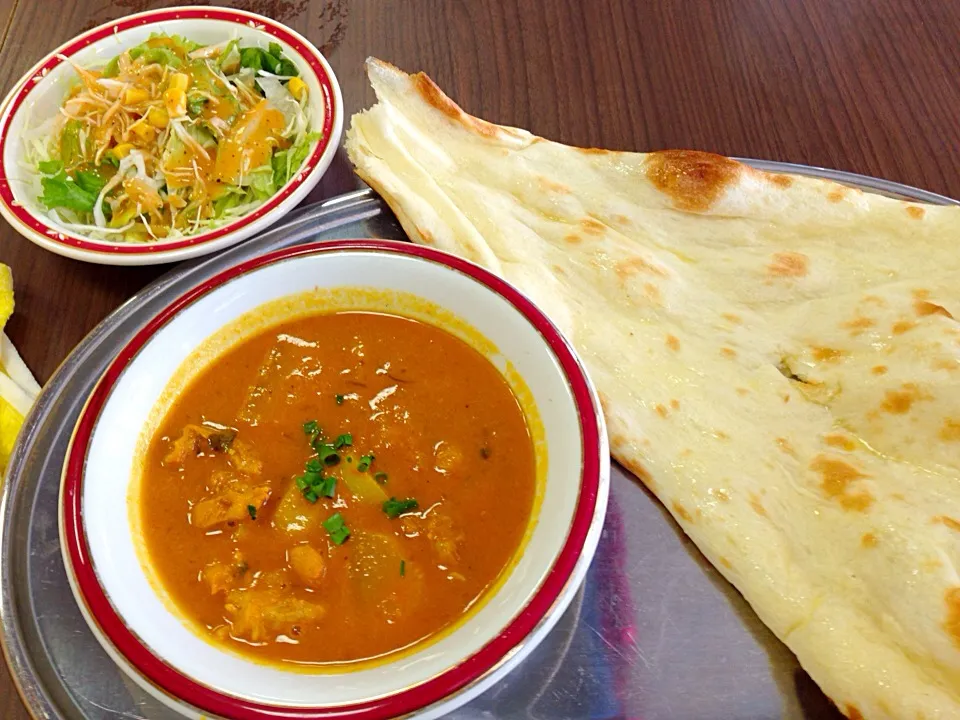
777	357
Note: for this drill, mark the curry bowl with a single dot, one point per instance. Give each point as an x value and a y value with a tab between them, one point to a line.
356	479
160	186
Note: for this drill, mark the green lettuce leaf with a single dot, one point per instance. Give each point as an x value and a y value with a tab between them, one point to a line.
50	167
286	163
271	60
61	191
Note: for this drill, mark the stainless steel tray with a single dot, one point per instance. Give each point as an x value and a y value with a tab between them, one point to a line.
655	633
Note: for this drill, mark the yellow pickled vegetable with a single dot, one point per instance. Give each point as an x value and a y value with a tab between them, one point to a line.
297	88
18	388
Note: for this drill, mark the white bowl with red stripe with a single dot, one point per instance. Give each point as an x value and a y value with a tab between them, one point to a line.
159	650
40	92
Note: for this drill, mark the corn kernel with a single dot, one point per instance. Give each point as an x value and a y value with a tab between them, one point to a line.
297	88
179	81
132	95
176	102
158	117
143	131
122	150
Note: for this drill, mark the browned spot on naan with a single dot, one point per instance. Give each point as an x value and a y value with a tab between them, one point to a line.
681	511
673	342
825	354
559	270
836	195
742	391
572	238
675	404
915	212
653	293
902	326
594	151
899	402
691	178
868	540
434	96
661	410
858	325
725	563
720	435
879	369
757	505
875	299
840	441
950	432
952	623
783	181
592	227
949	365
731	317
788	264
548	185
632	266
635	467
785	446
621	219
837	477
924	308
728	352
852	712
948	521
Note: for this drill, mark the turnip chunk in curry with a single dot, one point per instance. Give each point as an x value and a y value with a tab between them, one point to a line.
337	488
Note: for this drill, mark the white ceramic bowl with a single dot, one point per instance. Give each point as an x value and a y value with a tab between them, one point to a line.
38	95
99	537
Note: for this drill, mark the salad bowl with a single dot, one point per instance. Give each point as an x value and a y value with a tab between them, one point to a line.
50	205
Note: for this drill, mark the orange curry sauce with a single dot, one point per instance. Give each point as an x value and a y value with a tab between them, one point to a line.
243	551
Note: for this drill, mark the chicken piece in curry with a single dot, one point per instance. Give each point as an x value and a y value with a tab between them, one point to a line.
337	488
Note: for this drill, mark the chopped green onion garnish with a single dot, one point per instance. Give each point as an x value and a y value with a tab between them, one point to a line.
314	465
310	427
302	483
403	568
253	512
340	536
333	522
313	479
329	487
345	440
310	495
336	528
339	399
394	507
327	454
381	477
364	464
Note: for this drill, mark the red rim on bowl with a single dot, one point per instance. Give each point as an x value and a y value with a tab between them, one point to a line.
471	669
147	18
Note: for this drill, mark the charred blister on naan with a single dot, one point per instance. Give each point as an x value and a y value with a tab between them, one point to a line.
431	92
839	482
788	265
692	179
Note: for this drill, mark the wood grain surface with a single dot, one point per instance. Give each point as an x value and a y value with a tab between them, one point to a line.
869	86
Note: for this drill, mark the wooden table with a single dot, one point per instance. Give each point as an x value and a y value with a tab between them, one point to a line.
869	86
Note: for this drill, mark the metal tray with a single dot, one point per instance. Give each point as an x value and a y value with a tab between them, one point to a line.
655	633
